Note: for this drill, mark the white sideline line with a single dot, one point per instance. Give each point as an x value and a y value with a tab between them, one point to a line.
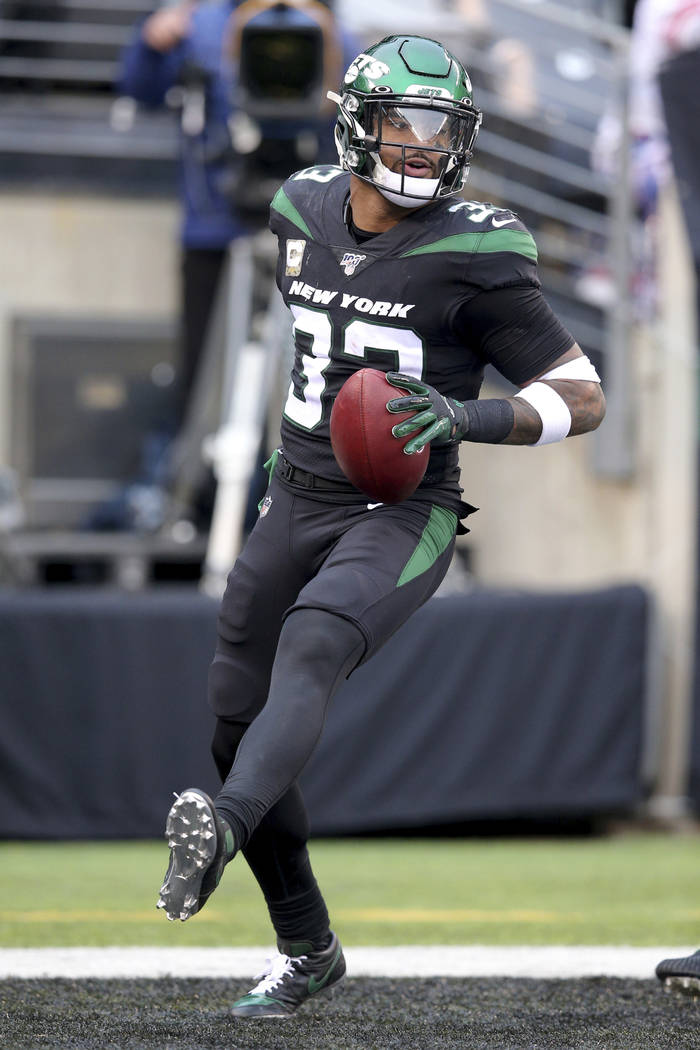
406	961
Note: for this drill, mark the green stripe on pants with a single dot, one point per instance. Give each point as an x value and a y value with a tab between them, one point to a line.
437	536
269	465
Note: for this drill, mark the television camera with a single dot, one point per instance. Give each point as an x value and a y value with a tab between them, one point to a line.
281	57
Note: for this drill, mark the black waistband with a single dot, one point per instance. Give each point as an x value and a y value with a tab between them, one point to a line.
297	476
303	478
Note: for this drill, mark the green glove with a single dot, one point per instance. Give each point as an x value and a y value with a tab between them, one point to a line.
438	419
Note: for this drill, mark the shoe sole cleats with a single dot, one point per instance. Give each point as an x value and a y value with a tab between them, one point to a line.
191	835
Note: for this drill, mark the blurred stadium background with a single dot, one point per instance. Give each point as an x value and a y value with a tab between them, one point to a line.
563	639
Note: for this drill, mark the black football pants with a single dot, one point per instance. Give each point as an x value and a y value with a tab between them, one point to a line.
317	589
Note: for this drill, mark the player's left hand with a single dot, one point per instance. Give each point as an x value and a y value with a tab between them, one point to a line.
438	419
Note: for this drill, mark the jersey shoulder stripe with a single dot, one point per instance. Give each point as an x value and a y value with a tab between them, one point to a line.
499	240
299	200
474	228
282	204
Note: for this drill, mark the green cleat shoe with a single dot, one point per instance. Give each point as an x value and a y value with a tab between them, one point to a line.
201	845
298	973
681	975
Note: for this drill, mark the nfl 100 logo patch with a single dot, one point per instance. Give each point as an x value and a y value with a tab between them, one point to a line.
350	262
265	505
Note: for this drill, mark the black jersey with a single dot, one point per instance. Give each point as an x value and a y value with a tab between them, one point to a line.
405	300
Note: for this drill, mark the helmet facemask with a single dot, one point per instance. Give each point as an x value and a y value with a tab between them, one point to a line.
407	120
421	152
391	141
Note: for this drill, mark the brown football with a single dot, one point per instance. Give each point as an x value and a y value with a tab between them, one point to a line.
364	447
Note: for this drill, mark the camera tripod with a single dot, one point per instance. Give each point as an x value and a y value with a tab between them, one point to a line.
239	384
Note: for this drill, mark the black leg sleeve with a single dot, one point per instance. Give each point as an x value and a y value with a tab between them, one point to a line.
316	650
277	854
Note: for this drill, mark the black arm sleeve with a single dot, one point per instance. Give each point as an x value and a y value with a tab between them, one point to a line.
514	329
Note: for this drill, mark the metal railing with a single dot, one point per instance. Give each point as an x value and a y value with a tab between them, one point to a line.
65	42
544	76
59	33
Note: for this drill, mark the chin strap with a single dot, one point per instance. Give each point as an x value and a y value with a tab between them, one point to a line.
402	200
415	191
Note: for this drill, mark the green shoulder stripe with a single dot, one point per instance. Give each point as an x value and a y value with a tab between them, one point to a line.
282	204
519	241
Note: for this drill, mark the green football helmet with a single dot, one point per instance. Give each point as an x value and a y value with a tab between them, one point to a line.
407	120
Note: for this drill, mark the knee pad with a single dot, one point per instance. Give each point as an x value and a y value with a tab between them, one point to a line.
314	637
227	737
233	693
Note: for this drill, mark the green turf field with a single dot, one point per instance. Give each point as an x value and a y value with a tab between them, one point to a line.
635	889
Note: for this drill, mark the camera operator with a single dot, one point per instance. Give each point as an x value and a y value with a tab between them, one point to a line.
193	46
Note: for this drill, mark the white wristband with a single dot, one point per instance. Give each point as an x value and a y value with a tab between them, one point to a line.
552	410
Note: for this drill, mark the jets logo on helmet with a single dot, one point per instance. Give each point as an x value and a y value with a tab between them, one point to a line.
403	98
368	66
427	92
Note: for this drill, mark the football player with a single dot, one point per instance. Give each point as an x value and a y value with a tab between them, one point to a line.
382	263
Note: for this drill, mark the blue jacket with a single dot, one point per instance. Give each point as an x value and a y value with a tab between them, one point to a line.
209	218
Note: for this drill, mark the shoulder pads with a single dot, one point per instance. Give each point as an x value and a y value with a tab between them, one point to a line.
297	200
476	228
